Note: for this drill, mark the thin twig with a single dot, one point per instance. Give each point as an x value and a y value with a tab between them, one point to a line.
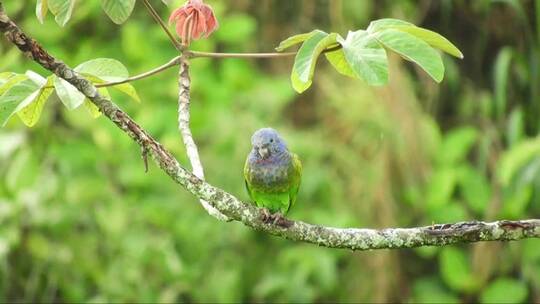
250	215
197	54
160	21
159	69
152	72
184	84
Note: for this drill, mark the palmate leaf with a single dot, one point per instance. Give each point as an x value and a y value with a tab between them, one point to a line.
129	90
8	79
434	39
381	24
30	114
413	49
103	70
363	53
98	71
294	40
62	10
118	10
338	60
92	109
42	7
67	93
24	94
365	57
15	98
306	59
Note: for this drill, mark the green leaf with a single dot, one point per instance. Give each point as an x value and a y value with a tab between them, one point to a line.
91	107
381	24
501	74
515	202
10	80
515	128
434	39
107	69
129	90
451	212
475	189
456	145
125	88
103	70
440	188
306	58
16	98
516	158
505	290
166	2
366	57
4	76
413	49
42	7
298	85
293	40
62	10
456	270
30	114
430	290
118	10
339	62
68	94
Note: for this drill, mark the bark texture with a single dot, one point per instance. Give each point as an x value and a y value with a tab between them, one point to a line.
184	85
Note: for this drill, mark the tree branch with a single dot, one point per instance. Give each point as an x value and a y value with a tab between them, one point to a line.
184	84
351	238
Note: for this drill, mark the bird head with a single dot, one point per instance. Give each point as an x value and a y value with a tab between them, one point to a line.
267	142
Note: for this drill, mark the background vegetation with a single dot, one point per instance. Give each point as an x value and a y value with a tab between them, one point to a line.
81	221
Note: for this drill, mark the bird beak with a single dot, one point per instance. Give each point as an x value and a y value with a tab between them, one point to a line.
263	152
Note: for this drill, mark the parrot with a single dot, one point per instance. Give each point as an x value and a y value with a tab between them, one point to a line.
272	173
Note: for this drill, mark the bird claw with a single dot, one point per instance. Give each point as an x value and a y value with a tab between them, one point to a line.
281	221
275	219
266	216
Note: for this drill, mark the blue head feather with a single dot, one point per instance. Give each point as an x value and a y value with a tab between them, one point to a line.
267	143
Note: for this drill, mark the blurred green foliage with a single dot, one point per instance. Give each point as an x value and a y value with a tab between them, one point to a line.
80	221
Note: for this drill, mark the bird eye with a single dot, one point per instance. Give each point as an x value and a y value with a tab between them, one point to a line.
271	140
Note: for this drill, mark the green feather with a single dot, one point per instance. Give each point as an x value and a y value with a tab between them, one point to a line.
276	198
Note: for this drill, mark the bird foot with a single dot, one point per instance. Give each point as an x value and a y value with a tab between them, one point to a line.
281	221
266	216
276	219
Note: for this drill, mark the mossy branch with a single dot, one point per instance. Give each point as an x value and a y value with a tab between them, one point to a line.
351	238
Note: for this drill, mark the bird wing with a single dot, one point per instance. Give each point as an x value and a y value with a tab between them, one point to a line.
296	177
246	179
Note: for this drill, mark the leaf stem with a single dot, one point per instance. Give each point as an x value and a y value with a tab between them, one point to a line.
197	54
159	69
152	72
160	21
